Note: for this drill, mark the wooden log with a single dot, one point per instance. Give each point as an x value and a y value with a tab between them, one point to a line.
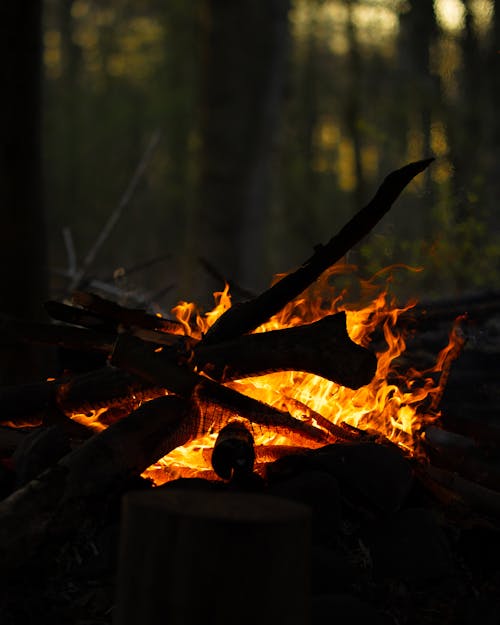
77	316
462	455
31	404
107	387
453	489
247	316
15	331
233	452
158	368
126	317
232	558
72	491
26	404
484	433
322	348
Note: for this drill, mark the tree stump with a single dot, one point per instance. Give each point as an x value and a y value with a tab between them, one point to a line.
213	557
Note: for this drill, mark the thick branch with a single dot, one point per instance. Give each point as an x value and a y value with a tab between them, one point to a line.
29	404
19	331
322	348
245	317
128	317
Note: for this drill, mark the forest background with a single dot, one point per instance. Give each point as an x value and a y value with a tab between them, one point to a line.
273	122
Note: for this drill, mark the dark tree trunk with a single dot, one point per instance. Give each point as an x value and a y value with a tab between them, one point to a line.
245	52
23	271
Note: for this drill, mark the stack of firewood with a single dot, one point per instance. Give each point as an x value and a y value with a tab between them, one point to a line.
161	389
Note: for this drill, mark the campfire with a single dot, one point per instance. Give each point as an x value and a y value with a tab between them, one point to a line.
393	404
300	375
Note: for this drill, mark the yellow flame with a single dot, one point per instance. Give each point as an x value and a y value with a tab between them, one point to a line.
394	404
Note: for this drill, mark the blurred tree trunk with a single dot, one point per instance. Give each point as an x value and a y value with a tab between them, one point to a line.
353	113
493	119
68	95
418	35
23	269
242	92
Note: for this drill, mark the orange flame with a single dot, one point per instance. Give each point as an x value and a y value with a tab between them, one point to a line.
395	405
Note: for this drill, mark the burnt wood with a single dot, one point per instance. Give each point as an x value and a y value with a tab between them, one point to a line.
247	316
233	452
75	315
15	331
322	348
108	387
128	317
158	368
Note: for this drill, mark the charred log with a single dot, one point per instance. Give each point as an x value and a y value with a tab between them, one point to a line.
233	452
32	404
14	331
322	348
247	316
126	317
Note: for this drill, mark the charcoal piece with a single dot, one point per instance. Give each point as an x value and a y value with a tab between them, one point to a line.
320	491
41	449
374	475
346	610
233	453
410	546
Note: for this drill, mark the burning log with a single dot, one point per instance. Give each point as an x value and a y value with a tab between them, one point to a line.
322	348
140	359
103	388
225	551
233	451
32	404
247	316
57	500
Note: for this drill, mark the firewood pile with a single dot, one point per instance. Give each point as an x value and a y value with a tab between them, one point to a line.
398	535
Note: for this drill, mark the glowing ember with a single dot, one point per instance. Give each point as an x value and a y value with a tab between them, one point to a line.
393	404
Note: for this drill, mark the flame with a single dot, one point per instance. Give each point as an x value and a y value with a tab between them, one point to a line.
396	405
194	323
91	419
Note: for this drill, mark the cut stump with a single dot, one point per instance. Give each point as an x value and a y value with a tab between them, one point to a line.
215	558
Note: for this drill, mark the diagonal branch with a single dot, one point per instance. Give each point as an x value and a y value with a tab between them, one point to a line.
247	316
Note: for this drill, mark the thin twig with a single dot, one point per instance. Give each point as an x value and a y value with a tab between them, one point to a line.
143	265
116	214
